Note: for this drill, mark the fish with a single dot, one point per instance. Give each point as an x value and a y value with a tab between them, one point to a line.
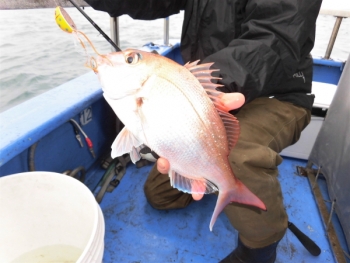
175	110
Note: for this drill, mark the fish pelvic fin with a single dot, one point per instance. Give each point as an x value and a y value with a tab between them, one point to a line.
126	142
203	73
188	184
240	194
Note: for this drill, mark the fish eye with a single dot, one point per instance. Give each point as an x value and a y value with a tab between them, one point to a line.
133	58
130	60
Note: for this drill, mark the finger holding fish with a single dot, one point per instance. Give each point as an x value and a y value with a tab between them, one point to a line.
232	101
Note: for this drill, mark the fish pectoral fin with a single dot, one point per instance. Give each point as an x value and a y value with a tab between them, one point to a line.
126	142
188	184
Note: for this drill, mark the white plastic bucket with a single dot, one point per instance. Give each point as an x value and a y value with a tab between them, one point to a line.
49	217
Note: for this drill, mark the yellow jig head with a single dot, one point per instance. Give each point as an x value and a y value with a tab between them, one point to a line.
64	21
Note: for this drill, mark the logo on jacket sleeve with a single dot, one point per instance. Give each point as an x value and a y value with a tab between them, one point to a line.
299	74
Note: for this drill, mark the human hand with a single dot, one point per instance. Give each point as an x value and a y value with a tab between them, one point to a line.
230	101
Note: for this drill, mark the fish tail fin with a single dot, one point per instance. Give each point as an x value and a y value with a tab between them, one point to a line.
240	194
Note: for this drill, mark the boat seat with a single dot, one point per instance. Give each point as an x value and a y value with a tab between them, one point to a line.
337	8
324	93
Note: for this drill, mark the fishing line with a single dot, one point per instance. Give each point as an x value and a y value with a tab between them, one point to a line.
56	3
91	60
65	22
96	26
67	17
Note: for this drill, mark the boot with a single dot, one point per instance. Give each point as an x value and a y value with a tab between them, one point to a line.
244	254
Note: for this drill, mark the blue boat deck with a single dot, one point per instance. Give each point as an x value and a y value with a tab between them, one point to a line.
136	232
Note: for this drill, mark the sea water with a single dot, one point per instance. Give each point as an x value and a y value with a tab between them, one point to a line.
36	56
50	254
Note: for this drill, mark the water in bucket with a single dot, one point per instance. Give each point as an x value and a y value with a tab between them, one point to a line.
55	253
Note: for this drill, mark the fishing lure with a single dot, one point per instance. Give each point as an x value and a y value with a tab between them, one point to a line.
66	23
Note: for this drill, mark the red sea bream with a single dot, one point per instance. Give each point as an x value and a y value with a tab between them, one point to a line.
175	111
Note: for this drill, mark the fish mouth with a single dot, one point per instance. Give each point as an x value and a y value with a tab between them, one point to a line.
104	59
93	63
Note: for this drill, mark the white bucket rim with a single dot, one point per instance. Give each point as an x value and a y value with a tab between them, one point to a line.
79	184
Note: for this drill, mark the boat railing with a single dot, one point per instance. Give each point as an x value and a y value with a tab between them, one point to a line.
25	124
340	15
114	31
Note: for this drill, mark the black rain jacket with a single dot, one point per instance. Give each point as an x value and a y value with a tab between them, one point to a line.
262	47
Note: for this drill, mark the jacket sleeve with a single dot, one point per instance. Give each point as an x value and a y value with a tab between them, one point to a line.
276	36
139	9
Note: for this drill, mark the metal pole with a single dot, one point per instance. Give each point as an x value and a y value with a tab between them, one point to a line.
333	37
330	215
114	25
166	31
333	239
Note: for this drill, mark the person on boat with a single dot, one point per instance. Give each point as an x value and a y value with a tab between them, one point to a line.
262	49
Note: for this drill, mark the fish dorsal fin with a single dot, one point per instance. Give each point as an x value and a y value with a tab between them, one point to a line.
231	126
126	142
203	73
191	185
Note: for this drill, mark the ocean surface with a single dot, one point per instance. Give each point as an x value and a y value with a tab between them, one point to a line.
36	56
